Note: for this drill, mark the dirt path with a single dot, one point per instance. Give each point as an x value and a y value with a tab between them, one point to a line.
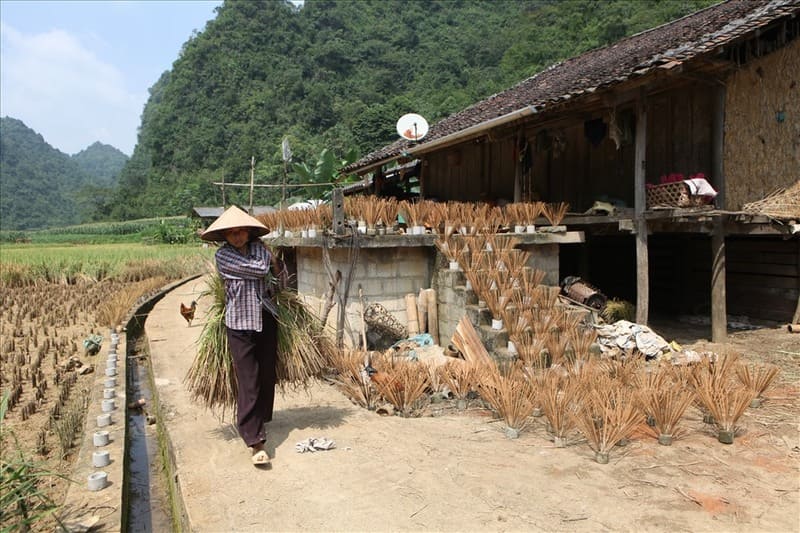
457	471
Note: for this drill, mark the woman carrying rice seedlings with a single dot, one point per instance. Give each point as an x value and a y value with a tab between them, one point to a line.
244	263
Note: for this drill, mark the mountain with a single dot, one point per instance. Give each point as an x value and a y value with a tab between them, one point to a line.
42	187
102	162
337	74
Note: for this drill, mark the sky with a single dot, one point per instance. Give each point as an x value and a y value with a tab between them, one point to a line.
78	72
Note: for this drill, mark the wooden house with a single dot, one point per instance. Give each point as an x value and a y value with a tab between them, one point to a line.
716	92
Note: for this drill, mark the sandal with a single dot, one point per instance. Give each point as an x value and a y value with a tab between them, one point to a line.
260	457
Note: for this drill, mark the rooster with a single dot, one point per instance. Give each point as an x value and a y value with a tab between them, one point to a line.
188	312
380	378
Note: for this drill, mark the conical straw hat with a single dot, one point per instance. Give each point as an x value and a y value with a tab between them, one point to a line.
233	217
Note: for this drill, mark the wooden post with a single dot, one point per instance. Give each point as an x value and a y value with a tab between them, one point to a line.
337	201
252	176
718	146
642	260
719	312
223	191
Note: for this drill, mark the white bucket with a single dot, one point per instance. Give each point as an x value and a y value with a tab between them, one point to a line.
110	382
312	233
108	405
530	229
111	372
519	229
454	265
109	393
497	324
512	348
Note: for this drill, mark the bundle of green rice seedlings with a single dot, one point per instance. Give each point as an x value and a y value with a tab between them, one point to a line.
211	378
304	350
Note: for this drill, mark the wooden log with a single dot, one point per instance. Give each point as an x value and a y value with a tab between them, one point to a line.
422	311
411	312
433	314
794	328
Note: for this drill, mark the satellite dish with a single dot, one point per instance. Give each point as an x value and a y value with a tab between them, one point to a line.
412	127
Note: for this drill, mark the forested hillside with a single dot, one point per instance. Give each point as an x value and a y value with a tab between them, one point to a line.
337	75
43	187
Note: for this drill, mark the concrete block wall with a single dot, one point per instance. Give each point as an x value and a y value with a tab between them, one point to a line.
385	275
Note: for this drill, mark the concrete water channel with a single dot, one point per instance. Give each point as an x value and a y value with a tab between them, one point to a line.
137	493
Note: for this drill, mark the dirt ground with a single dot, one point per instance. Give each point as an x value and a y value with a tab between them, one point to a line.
456	470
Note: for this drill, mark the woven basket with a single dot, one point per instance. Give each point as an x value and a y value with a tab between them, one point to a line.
675	194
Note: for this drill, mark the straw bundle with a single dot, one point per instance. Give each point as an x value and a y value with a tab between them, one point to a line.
664	402
782	203
725	400
211	379
555	213
559	397
530	348
757	378
511	396
404	386
304	351
460	377
351	379
607	415
532	211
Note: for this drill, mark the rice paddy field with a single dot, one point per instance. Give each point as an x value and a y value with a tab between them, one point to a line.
55	294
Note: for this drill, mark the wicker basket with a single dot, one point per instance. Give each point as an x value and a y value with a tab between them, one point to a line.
675	194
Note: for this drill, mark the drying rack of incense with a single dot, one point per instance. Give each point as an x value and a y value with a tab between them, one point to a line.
386	222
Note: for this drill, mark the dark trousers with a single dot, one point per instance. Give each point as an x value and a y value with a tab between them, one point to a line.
254	359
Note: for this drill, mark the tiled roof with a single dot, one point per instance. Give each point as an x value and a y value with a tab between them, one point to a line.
662	47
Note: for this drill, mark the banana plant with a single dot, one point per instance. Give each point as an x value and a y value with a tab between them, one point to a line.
325	170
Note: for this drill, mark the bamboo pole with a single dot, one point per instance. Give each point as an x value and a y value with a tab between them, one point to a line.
422	311
433	314
411	311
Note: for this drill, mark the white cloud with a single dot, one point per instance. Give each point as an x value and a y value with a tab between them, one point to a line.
59	88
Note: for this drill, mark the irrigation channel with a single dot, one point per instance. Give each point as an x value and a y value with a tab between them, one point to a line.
148	494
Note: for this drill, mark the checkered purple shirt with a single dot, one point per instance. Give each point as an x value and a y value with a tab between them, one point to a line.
245	284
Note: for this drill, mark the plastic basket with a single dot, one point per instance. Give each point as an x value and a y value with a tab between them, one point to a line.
675	194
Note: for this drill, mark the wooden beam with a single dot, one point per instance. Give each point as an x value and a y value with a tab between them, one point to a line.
642	261
719	311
